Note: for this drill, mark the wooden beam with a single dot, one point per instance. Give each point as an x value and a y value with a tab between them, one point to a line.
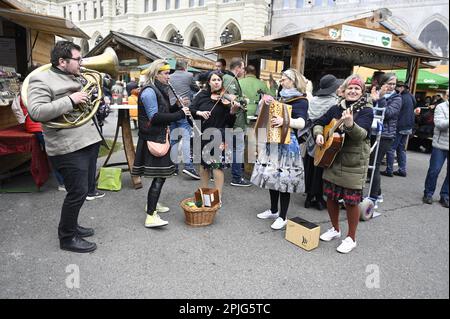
298	54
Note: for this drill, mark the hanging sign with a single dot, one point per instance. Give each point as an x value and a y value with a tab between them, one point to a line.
366	36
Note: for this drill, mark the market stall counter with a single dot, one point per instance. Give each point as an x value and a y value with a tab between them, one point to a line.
16	140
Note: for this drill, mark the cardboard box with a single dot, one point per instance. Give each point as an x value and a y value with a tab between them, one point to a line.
210	197
302	233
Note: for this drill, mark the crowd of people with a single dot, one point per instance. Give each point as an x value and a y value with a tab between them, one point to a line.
222	100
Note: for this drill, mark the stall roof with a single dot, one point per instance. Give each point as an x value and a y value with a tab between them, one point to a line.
381	16
156	49
43	23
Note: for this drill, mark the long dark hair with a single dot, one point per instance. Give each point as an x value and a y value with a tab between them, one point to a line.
218	73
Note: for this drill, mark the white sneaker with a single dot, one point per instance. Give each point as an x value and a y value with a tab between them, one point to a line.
154	220
380	198
159	208
268	215
330	234
279	223
62	188
346	246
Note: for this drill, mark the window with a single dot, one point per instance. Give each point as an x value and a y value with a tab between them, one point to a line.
299	4
167	4
177	4
101	8
318	3
191	3
225	1
286	4
79	12
155	5
125	6
146	5
95	9
331	2
84	10
70	13
65	12
201	3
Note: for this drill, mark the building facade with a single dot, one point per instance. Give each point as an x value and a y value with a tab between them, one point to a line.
198	23
426	20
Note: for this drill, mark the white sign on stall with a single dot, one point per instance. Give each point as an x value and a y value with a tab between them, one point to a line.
366	36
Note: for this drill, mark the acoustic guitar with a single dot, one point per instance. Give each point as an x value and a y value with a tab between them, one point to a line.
324	155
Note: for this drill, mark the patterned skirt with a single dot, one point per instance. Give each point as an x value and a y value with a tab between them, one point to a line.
147	165
335	192
280	168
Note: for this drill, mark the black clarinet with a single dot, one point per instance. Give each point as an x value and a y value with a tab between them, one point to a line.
182	105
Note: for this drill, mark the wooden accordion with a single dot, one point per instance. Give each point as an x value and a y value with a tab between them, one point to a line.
280	135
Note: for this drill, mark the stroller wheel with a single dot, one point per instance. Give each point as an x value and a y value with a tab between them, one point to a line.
366	208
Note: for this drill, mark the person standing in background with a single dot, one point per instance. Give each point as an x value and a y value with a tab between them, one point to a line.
405	125
439	155
184	85
252	88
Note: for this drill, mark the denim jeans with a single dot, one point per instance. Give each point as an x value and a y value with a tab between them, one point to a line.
75	169
398	147
238	155
437	160
185	130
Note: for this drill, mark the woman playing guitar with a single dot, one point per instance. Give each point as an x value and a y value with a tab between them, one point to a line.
345	178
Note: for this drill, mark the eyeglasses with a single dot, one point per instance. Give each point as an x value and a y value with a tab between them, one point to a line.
391	84
77	59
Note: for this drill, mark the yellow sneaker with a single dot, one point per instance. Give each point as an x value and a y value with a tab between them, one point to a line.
159	208
154	220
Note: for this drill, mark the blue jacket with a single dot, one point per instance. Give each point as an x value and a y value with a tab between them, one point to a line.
392	104
406	116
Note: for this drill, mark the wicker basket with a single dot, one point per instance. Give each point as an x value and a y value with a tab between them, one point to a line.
198	216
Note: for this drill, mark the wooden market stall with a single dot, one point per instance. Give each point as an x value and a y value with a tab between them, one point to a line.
371	39
26	40
134	51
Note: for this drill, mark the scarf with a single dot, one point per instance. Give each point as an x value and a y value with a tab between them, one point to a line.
290	93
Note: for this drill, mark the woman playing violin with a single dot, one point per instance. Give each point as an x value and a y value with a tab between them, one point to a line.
216	113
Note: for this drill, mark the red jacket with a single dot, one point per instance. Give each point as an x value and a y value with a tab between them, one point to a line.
30	125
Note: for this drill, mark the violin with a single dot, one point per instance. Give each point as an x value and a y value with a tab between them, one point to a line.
226	99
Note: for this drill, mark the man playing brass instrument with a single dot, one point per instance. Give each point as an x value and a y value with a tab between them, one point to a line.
72	151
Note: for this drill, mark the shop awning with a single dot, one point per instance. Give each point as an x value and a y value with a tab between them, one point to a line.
425	81
43	23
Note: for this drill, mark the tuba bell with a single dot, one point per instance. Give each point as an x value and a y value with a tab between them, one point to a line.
92	73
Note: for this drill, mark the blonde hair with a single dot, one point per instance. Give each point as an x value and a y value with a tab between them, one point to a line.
152	71
300	82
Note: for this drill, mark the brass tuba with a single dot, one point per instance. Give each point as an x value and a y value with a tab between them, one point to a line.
92	79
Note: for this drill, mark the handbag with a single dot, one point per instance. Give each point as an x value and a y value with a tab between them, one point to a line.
110	178
159	149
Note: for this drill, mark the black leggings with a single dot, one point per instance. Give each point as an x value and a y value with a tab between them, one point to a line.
284	202
153	194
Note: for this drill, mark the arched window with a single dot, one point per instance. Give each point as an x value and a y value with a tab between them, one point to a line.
197	39
230	34
435	37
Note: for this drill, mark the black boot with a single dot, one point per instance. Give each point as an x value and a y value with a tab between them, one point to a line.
308	201
321	204
77	244
84	232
